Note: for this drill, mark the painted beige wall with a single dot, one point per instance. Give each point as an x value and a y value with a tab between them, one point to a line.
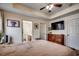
35	33
16	33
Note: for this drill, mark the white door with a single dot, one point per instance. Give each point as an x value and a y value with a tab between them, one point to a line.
73	33
27	30
43	31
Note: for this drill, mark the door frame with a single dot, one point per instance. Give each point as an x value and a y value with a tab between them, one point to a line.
45	30
22	29
67	30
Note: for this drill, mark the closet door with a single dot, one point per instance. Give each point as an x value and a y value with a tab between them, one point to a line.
43	31
73	33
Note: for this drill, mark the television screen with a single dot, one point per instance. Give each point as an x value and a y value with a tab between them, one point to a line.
57	25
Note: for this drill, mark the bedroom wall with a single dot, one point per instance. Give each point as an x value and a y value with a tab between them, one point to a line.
16	33
36	33
0	22
65	19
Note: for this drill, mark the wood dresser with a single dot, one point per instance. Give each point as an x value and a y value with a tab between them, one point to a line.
57	38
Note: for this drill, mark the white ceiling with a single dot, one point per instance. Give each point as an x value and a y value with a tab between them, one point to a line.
35	9
37	6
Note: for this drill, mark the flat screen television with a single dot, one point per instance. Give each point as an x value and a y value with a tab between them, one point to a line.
57	25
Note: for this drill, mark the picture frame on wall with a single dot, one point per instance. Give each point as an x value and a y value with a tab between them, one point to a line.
13	23
36	26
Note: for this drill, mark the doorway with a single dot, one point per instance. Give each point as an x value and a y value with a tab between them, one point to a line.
73	33
43	31
27	30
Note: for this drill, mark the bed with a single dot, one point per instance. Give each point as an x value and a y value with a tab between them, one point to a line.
36	48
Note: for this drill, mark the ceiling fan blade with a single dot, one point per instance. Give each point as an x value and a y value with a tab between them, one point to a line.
42	8
58	5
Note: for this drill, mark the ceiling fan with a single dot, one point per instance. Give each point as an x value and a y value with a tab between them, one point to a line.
50	6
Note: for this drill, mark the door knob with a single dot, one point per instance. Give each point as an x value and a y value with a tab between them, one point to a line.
67	34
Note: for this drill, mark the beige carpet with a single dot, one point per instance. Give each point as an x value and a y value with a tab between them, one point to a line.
36	48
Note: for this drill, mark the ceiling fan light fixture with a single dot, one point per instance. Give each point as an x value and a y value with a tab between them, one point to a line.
49	11
50	7
47	7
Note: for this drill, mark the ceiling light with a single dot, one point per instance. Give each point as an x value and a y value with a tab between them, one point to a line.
51	6
47	7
